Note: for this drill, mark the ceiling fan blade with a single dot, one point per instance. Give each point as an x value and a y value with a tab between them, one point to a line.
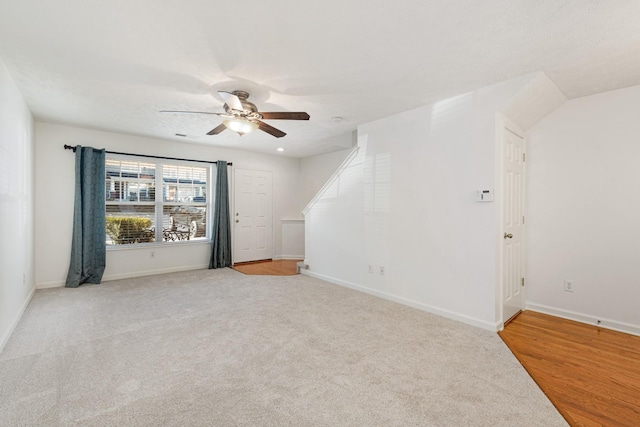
285	115
231	100
191	112
216	130
270	129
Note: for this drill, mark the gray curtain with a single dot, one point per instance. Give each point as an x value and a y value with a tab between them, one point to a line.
221	244
88	252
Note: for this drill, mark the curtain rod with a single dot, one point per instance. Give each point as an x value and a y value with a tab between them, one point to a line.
72	148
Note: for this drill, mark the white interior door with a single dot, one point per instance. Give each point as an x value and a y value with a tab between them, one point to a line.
513	159
253	217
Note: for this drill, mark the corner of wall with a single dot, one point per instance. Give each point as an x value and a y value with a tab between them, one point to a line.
17	283
4	338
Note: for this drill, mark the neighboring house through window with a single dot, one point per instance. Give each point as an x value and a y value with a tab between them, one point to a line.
155	201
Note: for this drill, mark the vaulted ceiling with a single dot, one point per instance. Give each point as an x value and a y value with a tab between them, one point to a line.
113	65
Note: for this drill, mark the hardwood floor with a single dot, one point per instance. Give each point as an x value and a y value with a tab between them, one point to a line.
283	267
591	375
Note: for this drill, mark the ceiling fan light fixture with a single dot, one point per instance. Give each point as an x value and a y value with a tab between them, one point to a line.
241	126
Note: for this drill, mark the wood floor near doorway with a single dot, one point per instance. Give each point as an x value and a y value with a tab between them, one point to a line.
282	267
591	375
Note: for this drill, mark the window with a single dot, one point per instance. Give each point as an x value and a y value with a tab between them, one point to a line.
155	201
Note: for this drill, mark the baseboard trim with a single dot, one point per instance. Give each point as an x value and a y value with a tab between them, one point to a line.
300	257
47	285
493	327
9	332
614	325
130	275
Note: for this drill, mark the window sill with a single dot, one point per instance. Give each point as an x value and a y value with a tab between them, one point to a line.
154	245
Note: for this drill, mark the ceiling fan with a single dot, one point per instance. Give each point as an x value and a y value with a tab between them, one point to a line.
242	116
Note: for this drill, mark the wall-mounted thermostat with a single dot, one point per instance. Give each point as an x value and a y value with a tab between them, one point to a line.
484	196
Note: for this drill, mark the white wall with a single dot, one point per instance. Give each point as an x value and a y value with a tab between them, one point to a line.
314	173
16	205
316	170
334	230
406	203
54	196
292	239
583	215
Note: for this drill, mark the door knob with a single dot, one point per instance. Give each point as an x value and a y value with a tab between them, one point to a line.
508	235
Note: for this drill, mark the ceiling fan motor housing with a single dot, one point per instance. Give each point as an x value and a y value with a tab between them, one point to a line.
242	95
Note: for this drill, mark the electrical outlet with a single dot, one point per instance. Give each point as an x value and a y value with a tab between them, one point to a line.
568	285
381	270
153	254
370	269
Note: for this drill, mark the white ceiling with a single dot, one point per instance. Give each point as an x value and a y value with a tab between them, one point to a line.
113	65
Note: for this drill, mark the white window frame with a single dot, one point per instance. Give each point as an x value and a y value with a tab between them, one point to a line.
159	202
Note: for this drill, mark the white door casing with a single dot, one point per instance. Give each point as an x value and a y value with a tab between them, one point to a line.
513	174
253	216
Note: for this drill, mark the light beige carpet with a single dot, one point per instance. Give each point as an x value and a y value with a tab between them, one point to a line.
218	348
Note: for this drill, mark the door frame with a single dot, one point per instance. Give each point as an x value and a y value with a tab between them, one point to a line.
502	124
232	206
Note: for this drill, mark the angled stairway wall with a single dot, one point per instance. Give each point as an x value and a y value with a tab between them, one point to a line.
400	220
